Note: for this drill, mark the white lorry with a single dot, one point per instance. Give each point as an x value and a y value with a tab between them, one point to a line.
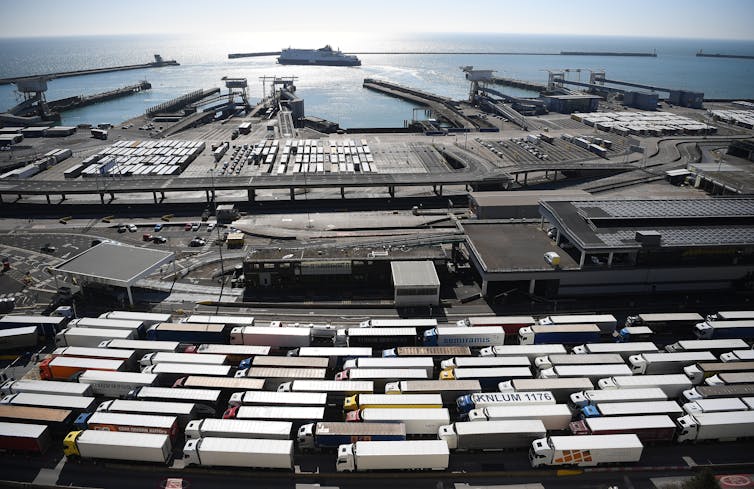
492	435
623	349
554	416
529	351
418	422
238	428
118	445
550	361
585	450
672	384
239	452
393	455
585	398
715	426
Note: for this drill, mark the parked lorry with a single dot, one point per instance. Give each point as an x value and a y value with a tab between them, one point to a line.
701	371
270	336
554	416
481	336
714	346
104	323
715	426
731	316
586	450
561	388
325	435
633	333
605	322
428	351
336	390
425	363
44	387
128	356
591	397
296	414
276	361
667	363
715	405
376	337
419	324
486	399
718	391
232	321
381	376
136	447
22	437
336	354
227	385
267	398
90	337
652	428
672	384
74	403
128	422
148	318
634	408
47	326
189	333
141	347
170	372
672	322
238	428
623	349
184	411
364	456
488	378
511	324
234	353
491	435
164	357
239	452
565	334
418	422
725	329
115	384
274	376
26	337
730	378
550	361
485	362
591	372
448	389
383	401
65	367
529	351
207	400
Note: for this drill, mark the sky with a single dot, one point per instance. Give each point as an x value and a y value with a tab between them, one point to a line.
708	19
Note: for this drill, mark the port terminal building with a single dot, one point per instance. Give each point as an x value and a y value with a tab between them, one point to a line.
617	246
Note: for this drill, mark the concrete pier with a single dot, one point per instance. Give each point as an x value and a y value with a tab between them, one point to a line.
64	74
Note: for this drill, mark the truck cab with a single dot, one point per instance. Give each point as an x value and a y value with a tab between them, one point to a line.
589	411
190	453
70	449
285	387
448	374
351	403
429	338
305	437
526	336
346	462
686	428
540	453
449	436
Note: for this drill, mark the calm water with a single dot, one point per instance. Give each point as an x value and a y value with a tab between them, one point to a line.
335	93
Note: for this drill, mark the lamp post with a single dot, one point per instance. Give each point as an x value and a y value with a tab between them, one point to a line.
217	228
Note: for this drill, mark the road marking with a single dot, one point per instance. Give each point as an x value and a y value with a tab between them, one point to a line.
689	461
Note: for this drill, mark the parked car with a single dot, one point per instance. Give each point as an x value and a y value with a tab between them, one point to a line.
187	226
210	227
122	228
159	239
147	237
196	242
132	228
48	248
158	227
195	226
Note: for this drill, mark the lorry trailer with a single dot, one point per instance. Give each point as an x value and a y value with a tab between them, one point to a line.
148	318
91	337
74	403
554	416
550	361
635	408
336	354
65	367
586	450
163	357
19	338
715	405
336	390
234	353
115	384
184	411
57	420
731	316
491	435
561	388
364	456
651	428
606	322
672	384
448	389
718	391
737	356
239	452
731	378
585	398
481	336
141	347
267	398
22	437
105	323
117	445
209	398
384	401
381	376
128	356
238	428
425	363
418	422
226	384
128	422
565	334
189	333
47	326
376	337
697	373
591	372
529	351
713	346
666	322
275	361
633	333
511	324
325	435
427	351
295	414
419	324
44	387
488	377
233	321
276	375
725	329
623	349
715	426
486	399
170	372
485	362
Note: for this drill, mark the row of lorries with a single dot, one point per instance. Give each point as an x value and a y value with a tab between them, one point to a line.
351	455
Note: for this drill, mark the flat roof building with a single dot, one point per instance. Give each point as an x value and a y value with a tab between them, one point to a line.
415	283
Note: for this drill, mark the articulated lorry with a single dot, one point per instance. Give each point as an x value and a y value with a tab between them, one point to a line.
586	450
554	416
550	361
128	422
492	435
649	428
22	437
718	391
239	452
561	388
487	399
592	397
44	387
238	428
325	435
672	384
566	334
623	349
418	422
364	456
118	445
715	426
382	401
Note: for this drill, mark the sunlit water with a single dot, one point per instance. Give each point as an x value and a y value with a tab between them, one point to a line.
336	93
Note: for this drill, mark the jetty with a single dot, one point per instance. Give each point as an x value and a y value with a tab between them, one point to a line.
608	53
77	101
523	84
157	63
718	55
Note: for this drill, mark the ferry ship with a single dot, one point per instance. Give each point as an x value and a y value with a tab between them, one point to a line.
325	56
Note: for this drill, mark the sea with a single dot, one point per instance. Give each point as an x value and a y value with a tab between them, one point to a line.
336	93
